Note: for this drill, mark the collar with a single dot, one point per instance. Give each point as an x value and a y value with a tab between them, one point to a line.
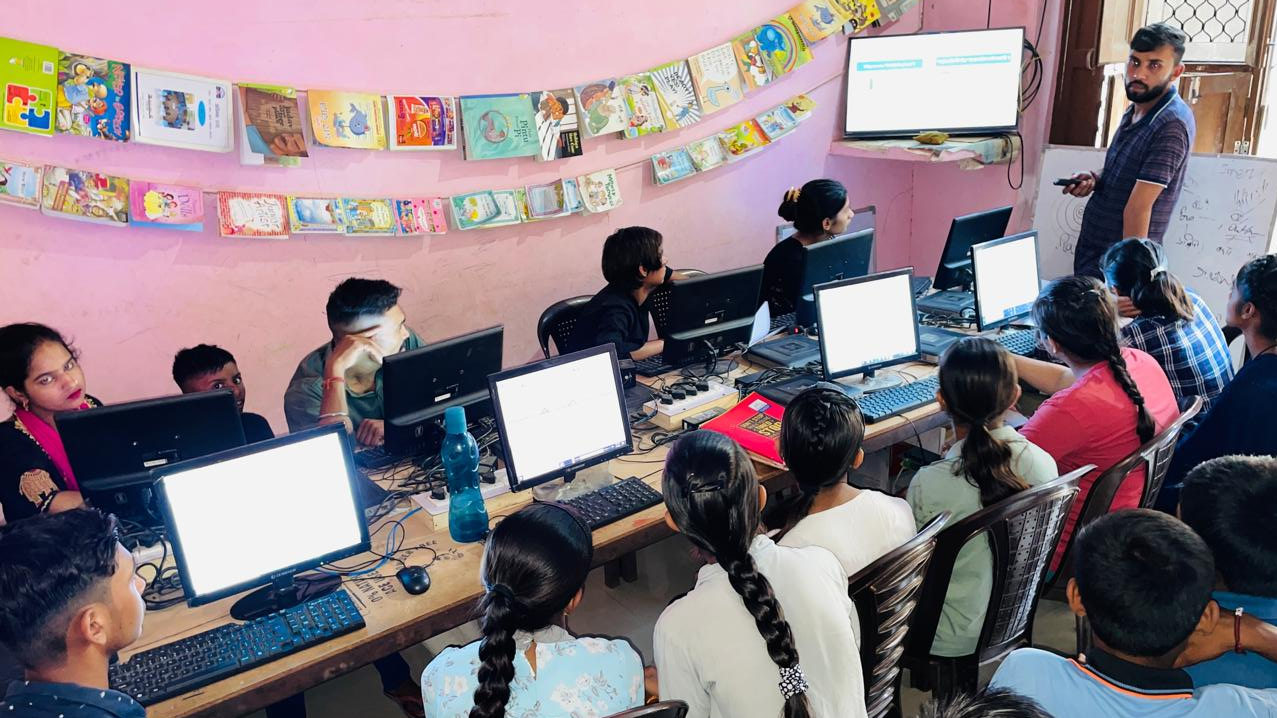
41	694
1132	679
761	545
1002	433
549	634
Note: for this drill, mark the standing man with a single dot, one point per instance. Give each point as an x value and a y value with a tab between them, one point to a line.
1136	191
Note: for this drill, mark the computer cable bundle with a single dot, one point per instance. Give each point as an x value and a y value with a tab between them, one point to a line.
163	584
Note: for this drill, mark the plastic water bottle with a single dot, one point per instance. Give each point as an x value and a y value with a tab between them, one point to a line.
467	516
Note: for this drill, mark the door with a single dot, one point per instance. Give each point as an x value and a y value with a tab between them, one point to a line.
1218	102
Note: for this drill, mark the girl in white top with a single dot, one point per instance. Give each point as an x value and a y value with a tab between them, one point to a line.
767	631
820	443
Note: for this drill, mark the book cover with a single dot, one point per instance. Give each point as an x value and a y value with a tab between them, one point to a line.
644	105
422	122
893	10
87	196
754	66
782	46
473	209
183	111
743	139
672	166
602	107
572	202
717	81
800	106
20	184
498	126
860	14
93	97
777	122
600	191
674	83
420	216
507	201
558	129
754	423
817	19
29	77
368	217
707	154
310	215
354	120
245	214
170	206
546	200
270	126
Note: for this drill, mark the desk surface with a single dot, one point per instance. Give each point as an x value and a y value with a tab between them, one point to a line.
396	619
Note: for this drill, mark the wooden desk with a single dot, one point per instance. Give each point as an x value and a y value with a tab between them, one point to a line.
396	619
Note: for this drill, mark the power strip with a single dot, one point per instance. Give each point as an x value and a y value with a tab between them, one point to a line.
671	416
434	507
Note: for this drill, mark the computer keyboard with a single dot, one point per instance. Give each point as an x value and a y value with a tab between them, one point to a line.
784	321
190	663
920	285
652	366
615	501
898	399
1018	341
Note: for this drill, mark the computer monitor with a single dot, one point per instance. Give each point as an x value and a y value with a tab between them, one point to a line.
863	218
710	312
419	385
954	270
113	449
957	82
842	257
1006	279
867	323
260	514
561	415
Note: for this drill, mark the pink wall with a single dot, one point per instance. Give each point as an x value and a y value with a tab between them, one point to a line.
131	297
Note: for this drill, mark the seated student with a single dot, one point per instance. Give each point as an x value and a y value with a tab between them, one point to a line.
989	462
69	600
208	368
340	382
1231	502
767	631
1144	583
988	703
41	374
819	210
1104	402
1170	322
534	569
1240	422
820	442
633	265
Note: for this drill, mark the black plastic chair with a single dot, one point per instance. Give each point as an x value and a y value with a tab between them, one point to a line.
885	593
557	322
664	709
1022	531
658	302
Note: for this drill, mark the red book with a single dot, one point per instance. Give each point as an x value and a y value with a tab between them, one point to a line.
755	424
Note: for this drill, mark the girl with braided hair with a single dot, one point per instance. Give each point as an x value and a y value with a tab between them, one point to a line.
767	631
534	569
989	462
1105	400
820	443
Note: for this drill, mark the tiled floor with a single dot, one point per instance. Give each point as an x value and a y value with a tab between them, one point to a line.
665	570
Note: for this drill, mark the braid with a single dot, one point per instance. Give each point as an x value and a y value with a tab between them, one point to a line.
1145	427
496	660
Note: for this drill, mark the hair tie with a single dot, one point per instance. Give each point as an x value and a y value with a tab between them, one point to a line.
792	681
1159	269
792	194
503	590
704	487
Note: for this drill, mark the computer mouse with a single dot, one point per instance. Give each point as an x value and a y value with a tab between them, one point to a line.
415	580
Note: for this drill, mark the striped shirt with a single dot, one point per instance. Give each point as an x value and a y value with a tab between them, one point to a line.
1192	352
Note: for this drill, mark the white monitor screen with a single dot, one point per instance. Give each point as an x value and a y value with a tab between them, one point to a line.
560	416
247	517
952	81
867	323
1006	278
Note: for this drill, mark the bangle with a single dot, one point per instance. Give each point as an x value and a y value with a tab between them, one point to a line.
333	380
1237	630
331	414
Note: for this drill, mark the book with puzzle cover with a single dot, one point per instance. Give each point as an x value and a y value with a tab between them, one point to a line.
499	126
674	83
246	214
717	81
754	65
184	111
600	191
707	154
800	106
168	206
602	107
20	184
672	166
93	97
509	212
422	122
420	216
817	19
269	123
743	139
354	120
310	215
474	209
558	129
86	196
644	105
546	200
29	79
860	14
367	217
754	423
777	122
784	49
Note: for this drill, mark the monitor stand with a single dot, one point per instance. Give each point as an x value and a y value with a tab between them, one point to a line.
871	382
575	484
284	592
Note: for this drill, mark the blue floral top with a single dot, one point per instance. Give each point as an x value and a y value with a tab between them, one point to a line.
575	678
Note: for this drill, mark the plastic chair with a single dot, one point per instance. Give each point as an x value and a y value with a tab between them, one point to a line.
658	302
664	709
885	593
1022	531
557	322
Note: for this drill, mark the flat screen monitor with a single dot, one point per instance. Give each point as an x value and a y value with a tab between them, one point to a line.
954	270
867	323
710	312
1006	279
842	257
963	83
560	415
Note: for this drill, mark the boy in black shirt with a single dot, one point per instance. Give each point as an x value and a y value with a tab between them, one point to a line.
207	368
633	265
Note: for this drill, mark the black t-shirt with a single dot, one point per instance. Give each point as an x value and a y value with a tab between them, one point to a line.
783	276
256	428
611	317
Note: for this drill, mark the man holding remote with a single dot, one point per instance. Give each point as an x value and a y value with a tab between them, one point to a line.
1135	193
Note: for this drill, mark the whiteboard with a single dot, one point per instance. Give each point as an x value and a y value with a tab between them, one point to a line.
1224	218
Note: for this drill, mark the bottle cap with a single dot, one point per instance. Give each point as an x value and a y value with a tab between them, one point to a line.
454	419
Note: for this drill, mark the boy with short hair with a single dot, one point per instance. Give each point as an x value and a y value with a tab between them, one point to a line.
634	266
206	367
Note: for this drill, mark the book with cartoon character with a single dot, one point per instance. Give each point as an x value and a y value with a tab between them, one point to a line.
169	206
310	215
754	66
672	166
269	123
800	106
367	217
93	97
246	214
602	107
783	48
85	196
644	105
558	130
420	216
174	110
817	19
422	122
509	212
860	14
743	139
29	80
718	83
499	126
20	184
777	122
707	154
600	191
473	209
354	120
678	94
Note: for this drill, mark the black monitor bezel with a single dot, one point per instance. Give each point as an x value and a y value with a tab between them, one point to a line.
981	325
850	239
913	312
682	288
950	266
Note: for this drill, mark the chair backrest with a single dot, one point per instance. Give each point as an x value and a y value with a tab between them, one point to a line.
1022	531
885	593
664	709
658	302
557	322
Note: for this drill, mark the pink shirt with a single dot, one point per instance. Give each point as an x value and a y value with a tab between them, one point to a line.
1093	422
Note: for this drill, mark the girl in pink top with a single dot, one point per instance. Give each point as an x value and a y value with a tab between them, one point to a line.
1104	402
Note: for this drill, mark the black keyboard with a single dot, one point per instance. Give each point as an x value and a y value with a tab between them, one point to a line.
898	399
784	321
653	366
615	501
920	285
1018	341
194	662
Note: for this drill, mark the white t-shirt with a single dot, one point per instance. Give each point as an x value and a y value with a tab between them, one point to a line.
857	532
709	652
